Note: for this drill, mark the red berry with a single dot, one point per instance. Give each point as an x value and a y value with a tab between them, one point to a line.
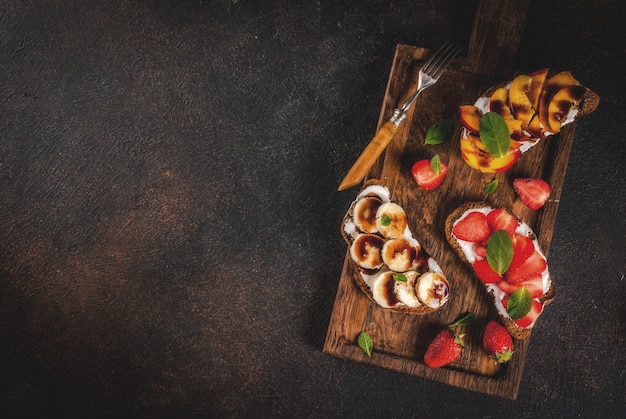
523	248
533	285
485	273
424	175
472	228
532	267
480	249
532	315
444	349
499	219
497	342
533	192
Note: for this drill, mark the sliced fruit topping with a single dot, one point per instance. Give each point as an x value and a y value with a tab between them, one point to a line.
532	267
485	273
499	219
429	173
480	248
472	228
537	79
432	289
497	342
533	192
523	248
470	117
535	310
499	103
520	103
476	156
535	128
533	285
550	88
562	104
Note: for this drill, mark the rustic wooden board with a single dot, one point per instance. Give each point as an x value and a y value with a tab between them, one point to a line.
400	340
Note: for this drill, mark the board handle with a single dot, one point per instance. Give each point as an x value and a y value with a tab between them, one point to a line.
496	36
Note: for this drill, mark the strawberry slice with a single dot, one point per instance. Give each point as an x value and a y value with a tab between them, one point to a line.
532	267
485	273
499	219
535	310
533	285
429	173
472	228
480	249
523	248
533	192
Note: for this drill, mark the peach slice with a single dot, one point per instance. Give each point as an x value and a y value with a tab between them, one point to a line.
537	79
561	105
518	98
499	103
475	155
551	87
535	128
470	117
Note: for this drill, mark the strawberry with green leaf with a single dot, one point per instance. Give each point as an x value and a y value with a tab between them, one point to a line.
447	345
429	173
497	342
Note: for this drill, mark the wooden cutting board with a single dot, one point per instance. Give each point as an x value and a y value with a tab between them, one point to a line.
400	340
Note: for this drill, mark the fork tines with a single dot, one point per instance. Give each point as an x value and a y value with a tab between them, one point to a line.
439	61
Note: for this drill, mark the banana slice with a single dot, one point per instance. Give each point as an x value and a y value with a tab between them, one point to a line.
391	220
405	290
433	289
366	251
364	214
399	255
383	290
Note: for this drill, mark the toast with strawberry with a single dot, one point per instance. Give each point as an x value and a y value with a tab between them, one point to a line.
503	253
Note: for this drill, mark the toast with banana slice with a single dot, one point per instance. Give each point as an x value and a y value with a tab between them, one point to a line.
387	262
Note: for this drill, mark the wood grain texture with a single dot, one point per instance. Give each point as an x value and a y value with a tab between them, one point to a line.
400	340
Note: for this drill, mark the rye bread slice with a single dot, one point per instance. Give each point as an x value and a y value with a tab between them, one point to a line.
357	271
546	298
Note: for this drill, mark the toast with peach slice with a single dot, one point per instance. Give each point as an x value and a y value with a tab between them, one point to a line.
504	255
533	106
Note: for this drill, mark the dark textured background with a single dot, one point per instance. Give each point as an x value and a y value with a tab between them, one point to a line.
169	221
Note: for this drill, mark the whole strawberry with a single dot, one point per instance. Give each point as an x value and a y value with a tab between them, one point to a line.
447	345
497	342
444	349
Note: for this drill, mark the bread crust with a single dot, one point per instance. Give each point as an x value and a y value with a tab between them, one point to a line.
546	298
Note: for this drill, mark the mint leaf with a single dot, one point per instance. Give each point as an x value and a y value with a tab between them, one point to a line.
435	165
399	277
467	319
385	220
491	186
439	132
499	251
494	133
365	343
519	303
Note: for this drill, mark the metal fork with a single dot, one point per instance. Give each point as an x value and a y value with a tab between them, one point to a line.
428	75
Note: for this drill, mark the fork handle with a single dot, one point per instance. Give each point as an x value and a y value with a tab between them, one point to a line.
373	150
